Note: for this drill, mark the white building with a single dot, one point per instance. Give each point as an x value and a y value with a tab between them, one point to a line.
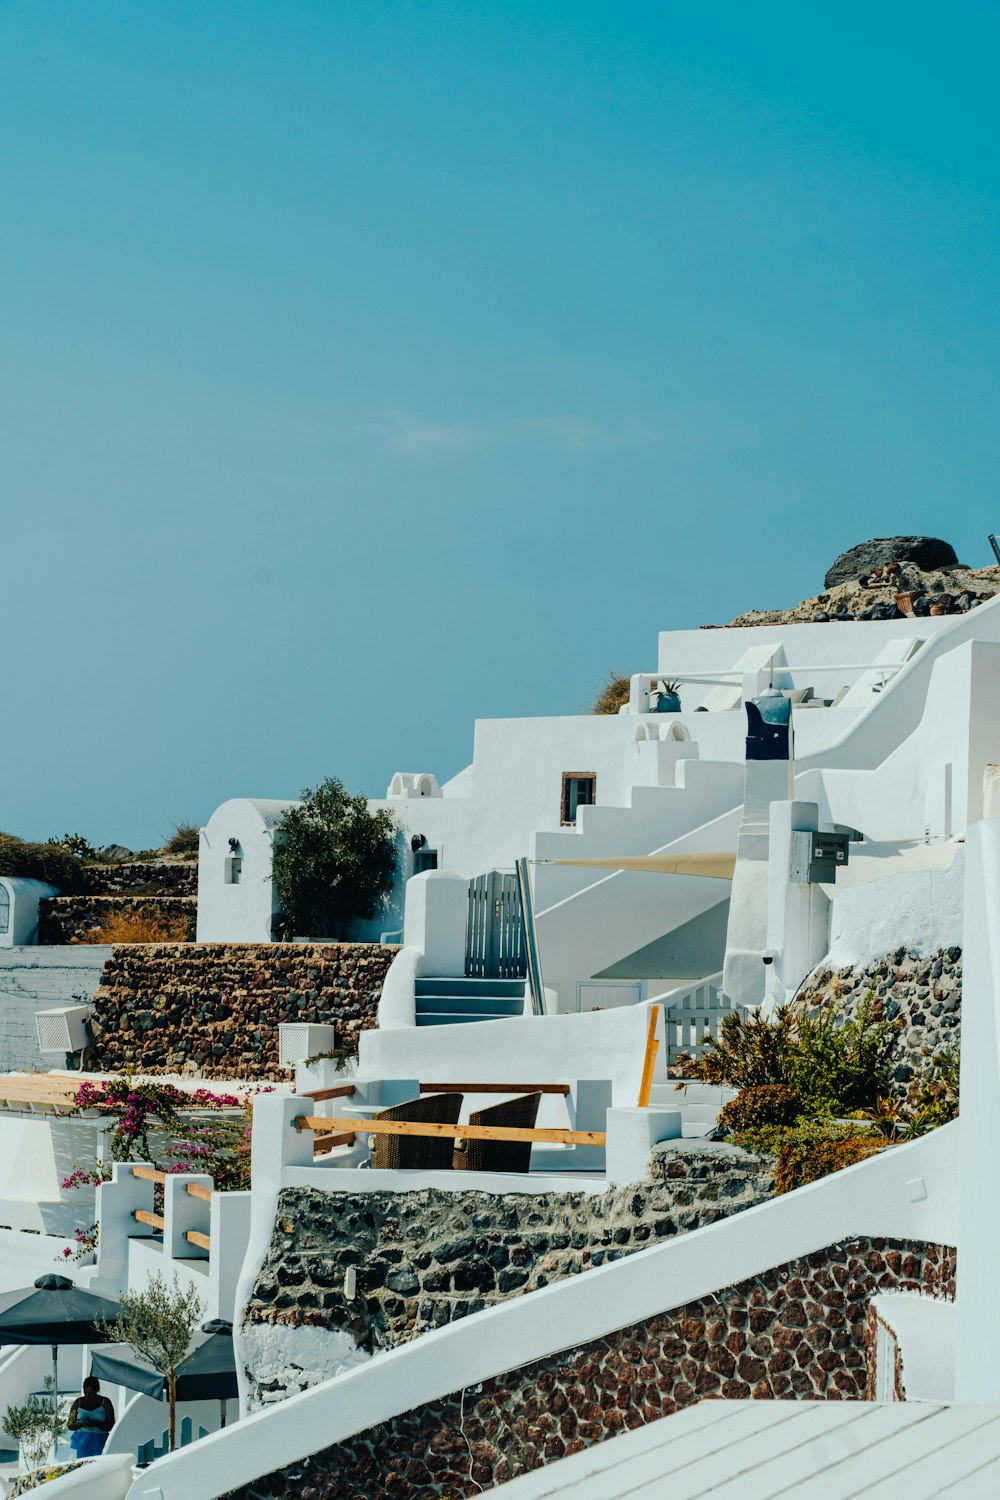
882	745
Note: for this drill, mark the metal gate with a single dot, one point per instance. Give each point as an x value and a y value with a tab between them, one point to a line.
494	940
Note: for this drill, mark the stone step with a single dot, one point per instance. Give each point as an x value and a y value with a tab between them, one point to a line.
431	985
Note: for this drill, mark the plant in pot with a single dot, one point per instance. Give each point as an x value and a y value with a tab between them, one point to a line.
666	698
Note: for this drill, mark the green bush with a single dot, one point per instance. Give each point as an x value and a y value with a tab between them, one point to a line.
767	1104
751	1050
931	1100
51	863
840	1067
334	861
810	1150
836	1067
185	841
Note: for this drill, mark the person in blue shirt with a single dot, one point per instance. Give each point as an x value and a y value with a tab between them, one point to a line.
91	1418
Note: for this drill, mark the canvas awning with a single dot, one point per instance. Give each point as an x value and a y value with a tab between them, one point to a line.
715	866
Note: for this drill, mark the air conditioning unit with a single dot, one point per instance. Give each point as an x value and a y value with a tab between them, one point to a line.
64	1029
298	1040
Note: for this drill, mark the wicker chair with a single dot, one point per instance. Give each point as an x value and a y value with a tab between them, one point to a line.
418	1150
499	1156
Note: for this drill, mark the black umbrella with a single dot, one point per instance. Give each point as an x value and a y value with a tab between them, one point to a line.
55	1311
208	1373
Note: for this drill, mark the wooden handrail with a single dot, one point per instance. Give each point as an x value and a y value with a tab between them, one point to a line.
149	1174
141	1216
494	1088
342	1091
324	1143
452	1132
195	1237
649	1060
199	1190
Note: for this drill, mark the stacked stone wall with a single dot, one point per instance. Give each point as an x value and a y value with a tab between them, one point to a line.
73	919
213	1009
427	1258
921	992
798	1330
144	878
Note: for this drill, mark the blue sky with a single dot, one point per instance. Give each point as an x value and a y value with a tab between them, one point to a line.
369	368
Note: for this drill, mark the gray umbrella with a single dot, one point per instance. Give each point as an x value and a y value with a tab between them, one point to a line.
208	1373
55	1311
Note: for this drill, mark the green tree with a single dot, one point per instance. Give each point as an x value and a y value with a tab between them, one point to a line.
159	1324
37	1425
334	861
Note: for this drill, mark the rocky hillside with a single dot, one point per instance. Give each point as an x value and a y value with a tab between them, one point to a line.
887	578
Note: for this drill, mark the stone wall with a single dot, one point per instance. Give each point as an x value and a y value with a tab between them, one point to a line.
68	919
34	979
144	878
213	1009
921	991
426	1258
795	1331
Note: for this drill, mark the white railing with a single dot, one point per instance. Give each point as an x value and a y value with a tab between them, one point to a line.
693	1015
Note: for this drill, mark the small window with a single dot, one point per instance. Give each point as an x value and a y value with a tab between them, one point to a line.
234	869
425	859
579	789
4	908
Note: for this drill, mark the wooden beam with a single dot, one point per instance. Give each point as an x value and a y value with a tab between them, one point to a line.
452	1132
648	1062
324	1143
342	1091
149	1174
494	1088
155	1221
195	1237
199	1190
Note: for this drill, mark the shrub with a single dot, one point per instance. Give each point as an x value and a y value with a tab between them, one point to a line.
334	861
613	695
767	1104
810	1149
751	1050
75	843
839	1067
38	1424
52	863
184	840
931	1100
836	1067
143	926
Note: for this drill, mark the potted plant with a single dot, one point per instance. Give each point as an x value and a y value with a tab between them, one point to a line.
666	698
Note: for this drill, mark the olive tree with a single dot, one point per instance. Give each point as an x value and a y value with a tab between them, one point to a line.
334	861
159	1323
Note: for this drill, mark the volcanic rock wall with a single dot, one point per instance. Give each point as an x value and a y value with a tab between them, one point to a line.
426	1258
213	1009
69	919
796	1331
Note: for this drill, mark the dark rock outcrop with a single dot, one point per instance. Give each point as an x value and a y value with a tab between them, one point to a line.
927	552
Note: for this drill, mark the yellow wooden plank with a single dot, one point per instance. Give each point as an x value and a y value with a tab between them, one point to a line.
649	1060
453	1132
155	1221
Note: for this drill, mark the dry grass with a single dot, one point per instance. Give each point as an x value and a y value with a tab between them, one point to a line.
613	695
139	927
